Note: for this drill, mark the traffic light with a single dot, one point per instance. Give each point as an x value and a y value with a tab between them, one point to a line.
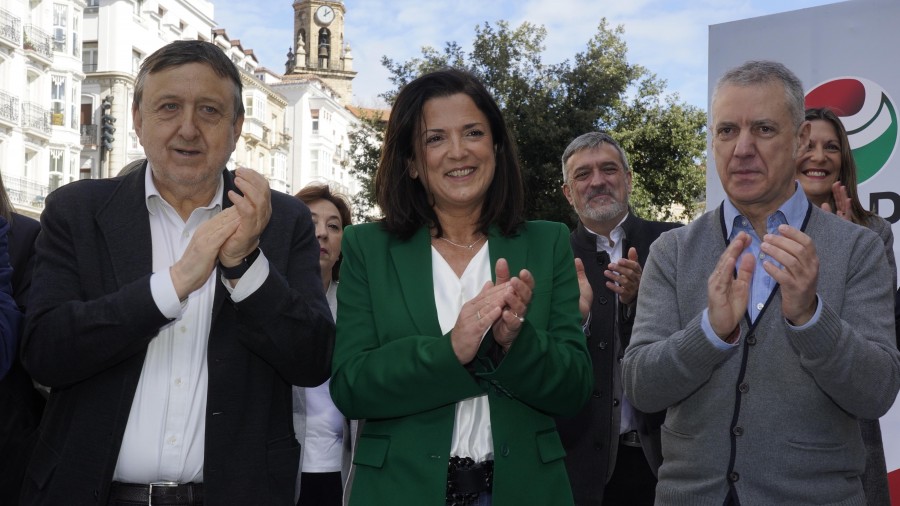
106	125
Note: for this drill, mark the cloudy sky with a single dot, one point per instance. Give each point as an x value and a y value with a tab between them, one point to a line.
669	37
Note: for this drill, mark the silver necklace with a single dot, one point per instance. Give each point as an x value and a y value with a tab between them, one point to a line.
470	246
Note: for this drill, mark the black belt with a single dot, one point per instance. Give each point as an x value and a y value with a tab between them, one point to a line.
466	480
630	438
164	493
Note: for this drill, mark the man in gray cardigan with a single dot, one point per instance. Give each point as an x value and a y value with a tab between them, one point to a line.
764	326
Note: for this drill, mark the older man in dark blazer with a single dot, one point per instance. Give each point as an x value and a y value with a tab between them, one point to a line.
612	449
172	308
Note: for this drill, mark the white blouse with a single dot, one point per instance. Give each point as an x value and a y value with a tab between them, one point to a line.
472	429
323	438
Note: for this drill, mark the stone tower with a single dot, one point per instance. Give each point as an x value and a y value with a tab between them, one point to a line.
319	48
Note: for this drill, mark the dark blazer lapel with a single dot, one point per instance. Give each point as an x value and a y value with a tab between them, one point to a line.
513	249
412	260
221	291
124	223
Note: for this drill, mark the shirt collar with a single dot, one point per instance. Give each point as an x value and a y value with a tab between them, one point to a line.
153	198
615	235
794	210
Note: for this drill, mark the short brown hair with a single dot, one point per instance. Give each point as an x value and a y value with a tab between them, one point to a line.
317	191
183	52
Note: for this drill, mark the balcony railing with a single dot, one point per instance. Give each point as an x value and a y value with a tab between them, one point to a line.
89	135
35	117
88	67
9	108
10	27
38	41
23	191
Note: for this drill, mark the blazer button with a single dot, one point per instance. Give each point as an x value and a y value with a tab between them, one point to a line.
733	476
738	431
504	450
603	300
743	388
615	402
602	345
751	340
596	394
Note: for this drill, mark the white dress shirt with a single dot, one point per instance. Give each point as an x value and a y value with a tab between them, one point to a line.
164	437
472	436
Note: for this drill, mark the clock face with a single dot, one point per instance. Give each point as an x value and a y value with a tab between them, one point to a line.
325	14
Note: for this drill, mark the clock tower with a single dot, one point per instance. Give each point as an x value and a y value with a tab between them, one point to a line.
318	45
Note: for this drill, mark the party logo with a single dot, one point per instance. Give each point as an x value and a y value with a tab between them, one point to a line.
868	115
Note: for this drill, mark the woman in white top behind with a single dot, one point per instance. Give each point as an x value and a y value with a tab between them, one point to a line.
323	432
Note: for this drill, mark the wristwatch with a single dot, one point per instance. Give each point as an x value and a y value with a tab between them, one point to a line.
240	269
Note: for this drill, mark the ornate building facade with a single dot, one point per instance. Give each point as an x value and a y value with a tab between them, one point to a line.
67	75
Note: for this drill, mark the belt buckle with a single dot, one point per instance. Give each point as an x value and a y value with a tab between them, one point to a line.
160	484
631	438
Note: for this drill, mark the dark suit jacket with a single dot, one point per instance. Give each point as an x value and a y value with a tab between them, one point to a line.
92	315
393	367
21	405
10	317
598	423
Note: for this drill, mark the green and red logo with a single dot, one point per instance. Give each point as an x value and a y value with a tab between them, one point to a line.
868	115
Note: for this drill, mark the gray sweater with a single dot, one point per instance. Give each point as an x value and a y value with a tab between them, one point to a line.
775	417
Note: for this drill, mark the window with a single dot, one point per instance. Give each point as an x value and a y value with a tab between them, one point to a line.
279	164
314	162
58	101
76	48
60	15
260	101
315	121
73	106
56	168
136	58
89	57
93	3
138	4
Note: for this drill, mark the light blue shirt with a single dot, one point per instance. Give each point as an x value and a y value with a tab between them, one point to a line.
792	212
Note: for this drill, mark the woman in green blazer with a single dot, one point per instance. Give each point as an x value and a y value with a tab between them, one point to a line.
458	337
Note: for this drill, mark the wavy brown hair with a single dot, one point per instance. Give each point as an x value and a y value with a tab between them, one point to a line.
848	174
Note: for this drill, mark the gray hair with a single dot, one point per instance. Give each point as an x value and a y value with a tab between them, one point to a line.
756	72
183	52
591	140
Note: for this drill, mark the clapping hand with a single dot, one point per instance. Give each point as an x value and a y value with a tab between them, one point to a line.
841	201
728	295
500	306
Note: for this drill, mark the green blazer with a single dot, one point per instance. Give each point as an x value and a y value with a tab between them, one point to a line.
393	368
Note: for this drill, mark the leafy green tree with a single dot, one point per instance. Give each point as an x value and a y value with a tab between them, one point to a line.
365	139
548	105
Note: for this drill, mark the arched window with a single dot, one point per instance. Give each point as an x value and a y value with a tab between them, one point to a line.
324	50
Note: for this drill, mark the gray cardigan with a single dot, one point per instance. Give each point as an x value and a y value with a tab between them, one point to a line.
776	417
